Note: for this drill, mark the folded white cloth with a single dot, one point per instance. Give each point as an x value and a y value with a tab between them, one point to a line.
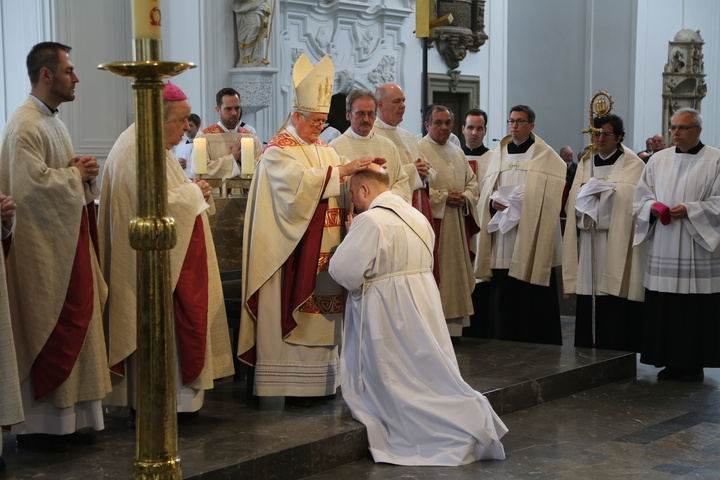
509	218
586	202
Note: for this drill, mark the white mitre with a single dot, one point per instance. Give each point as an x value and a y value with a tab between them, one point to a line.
312	85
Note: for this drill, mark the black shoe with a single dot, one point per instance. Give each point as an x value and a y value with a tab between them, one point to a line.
184	417
303	402
2	464
669	373
691	375
43	442
131	421
80	438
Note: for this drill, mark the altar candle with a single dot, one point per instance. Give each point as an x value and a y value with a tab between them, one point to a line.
200	156
146	18
247	155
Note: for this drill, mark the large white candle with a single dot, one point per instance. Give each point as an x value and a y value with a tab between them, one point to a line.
200	156
146	19
247	155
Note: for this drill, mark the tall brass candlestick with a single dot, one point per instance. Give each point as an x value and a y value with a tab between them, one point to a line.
153	234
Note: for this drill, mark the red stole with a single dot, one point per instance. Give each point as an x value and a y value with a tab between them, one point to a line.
58	356
190	304
300	269
299	274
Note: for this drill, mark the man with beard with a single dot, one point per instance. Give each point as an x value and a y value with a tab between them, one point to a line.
56	288
224	138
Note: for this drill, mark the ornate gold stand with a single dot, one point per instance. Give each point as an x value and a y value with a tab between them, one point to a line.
601	105
153	234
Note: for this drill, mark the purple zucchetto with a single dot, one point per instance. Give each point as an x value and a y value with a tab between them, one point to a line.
172	93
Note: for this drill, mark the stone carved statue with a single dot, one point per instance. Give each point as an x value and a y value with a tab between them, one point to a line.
252	18
683	75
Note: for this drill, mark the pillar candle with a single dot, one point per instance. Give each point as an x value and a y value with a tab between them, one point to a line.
247	155
146	18
200	156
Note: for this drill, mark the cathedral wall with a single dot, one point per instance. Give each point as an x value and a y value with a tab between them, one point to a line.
552	55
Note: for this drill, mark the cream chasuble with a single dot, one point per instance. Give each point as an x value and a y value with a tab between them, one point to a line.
118	207
51	197
457	278
220	162
292	179
353	147
409	149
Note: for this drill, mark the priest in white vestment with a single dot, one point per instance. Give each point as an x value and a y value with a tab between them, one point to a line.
55	287
202	340
10	402
453	198
224	139
390	113
359	140
600	205
676	209
520	240
291	322
400	376
474	128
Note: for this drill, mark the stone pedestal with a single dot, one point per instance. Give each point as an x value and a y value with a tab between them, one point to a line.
256	85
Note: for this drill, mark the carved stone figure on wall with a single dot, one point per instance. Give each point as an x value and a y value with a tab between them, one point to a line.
252	18
683	75
384	72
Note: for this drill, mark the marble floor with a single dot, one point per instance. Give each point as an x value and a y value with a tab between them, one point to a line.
632	429
572	414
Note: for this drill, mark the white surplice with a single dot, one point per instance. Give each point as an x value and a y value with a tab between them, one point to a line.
399	373
684	256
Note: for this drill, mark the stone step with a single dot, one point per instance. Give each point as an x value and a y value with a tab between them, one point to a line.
233	440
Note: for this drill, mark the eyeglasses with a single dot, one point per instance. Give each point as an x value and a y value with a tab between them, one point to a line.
518	121
682	128
314	123
604	134
360	115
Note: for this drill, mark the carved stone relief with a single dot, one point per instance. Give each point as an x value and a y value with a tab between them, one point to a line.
361	36
683	76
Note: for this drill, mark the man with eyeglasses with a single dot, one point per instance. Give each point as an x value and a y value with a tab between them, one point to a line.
453	198
601	260
291	323
520	241
676	210
360	140
390	113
